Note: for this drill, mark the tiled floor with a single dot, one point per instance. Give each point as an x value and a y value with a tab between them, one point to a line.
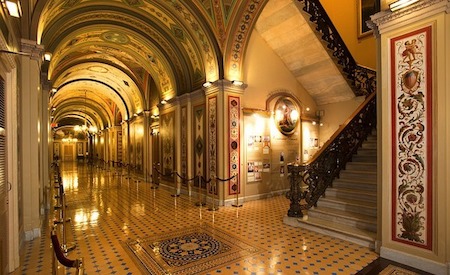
107	210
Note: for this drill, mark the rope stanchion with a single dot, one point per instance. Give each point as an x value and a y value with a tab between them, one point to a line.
200	196
65	246
175	183
214	190
237	204
58	256
213	181
156	177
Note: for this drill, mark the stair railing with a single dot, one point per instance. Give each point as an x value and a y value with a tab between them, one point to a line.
362	79
309	181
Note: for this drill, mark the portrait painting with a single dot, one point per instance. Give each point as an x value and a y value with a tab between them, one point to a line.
366	8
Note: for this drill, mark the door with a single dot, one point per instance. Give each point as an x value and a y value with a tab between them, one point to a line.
3	183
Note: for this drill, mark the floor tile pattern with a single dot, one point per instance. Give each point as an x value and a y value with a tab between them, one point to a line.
190	251
108	210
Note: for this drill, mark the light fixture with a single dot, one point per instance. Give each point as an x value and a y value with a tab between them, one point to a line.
84	128
207	84
400	4
54	90
163	102
13	7
47	56
237	83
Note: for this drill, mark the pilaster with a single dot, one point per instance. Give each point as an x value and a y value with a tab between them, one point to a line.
31	151
413	99
224	132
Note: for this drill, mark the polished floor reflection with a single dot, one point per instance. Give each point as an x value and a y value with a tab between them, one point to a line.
108	211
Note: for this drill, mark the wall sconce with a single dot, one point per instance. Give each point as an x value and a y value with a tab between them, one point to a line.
47	56
237	83
13	7
207	84
400	4
154	132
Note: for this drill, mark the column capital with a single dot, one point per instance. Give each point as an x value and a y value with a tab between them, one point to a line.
35	50
387	20
223	85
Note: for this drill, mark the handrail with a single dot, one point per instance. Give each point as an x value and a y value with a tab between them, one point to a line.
362	79
310	180
341	128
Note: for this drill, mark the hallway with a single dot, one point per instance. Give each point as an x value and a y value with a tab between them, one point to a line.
107	211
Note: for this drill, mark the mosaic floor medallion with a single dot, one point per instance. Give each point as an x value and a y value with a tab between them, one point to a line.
189	251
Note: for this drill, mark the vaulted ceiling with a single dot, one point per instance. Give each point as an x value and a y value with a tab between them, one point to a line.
112	59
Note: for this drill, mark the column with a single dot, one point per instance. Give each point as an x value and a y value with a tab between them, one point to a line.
224	133
30	94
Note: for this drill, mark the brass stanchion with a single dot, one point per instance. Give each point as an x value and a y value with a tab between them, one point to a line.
214	189
156	177
200	201
175	182
64	246
237	192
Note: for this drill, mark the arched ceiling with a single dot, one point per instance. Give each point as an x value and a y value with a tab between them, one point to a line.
116	58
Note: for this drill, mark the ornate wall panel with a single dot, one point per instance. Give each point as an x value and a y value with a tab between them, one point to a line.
212	135
199	140
411	91
234	110
184	148
168	143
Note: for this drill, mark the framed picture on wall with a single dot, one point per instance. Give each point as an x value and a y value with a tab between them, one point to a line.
79	149
366	8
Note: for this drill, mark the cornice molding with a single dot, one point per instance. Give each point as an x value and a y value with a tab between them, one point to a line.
387	20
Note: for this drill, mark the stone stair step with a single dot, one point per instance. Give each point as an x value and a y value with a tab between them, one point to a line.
364	158
362	237
351	194
361	166
358	174
355	206
357	220
359	184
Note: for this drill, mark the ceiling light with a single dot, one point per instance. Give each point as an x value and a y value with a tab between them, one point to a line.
13	7
400	4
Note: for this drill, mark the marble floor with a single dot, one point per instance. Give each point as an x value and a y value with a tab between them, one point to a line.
109	210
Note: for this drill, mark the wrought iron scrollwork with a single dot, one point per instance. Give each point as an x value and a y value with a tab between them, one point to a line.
309	181
362	79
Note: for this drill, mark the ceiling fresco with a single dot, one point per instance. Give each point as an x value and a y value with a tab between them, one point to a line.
117	48
127	56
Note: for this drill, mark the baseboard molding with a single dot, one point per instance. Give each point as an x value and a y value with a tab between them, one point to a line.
32	234
232	201
415	261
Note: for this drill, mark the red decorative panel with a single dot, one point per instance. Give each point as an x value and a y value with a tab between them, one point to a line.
234	110
411	105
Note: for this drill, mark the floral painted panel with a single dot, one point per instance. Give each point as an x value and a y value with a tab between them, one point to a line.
167	123
411	88
234	142
199	141
184	148
212	136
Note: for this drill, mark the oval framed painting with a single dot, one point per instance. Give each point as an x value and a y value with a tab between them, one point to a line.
286	115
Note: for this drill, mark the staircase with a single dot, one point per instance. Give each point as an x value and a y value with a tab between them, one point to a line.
349	208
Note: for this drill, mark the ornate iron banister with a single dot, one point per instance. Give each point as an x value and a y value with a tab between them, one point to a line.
310	180
362	79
